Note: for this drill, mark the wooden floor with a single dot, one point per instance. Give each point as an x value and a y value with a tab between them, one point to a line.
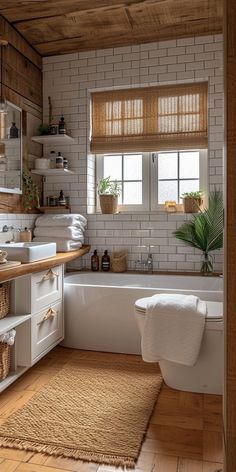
184	435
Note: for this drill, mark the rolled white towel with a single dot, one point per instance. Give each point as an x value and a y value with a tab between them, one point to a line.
9	337
63	245
66	232
72	219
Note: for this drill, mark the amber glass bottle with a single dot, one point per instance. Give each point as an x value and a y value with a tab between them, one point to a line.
95	262
105	262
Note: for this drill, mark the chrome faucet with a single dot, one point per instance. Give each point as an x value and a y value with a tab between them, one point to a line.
145	265
149	263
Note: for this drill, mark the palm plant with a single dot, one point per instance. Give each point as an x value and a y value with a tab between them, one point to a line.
205	230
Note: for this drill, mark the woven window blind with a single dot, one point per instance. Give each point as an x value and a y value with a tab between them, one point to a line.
149	119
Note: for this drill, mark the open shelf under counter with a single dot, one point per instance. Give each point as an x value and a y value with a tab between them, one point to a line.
47	172
11	321
51	139
12	376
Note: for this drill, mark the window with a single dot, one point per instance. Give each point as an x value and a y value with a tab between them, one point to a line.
149	179
178	172
131	171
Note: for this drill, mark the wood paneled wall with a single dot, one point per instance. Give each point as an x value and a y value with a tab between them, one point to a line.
22	85
230	237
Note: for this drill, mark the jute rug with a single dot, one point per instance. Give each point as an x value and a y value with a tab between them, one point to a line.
97	408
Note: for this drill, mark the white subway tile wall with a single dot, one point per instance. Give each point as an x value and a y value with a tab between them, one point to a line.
17	220
68	79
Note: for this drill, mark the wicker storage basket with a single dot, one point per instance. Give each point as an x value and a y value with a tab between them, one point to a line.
119	262
5	351
4	299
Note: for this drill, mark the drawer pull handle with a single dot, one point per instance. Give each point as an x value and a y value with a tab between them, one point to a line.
50	314
49	275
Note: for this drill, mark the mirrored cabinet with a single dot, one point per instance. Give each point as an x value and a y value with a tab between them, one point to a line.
11	150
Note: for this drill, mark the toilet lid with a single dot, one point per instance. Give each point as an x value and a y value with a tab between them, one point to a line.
214	309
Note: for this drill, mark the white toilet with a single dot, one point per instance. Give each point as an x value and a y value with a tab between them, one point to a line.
206	376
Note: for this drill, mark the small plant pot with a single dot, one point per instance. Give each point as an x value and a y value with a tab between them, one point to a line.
192	205
108	204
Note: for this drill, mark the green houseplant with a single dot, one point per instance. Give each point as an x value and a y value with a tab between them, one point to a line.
205	230
30	192
192	201
108	195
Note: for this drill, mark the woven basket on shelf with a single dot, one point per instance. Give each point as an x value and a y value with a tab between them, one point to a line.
5	351
4	299
119	262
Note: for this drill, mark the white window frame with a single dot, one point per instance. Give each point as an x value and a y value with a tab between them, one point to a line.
203	177
150	180
145	182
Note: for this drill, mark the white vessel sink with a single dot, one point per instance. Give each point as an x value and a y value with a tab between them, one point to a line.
28	252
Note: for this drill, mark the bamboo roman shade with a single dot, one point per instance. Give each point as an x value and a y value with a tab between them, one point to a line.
150	119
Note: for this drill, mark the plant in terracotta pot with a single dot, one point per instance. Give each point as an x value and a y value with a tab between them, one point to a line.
192	201
108	195
205	231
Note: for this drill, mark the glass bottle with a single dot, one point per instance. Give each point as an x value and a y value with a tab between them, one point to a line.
13	130
61	199
105	262
95	261
62	125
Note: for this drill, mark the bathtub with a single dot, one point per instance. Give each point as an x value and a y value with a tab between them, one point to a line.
99	313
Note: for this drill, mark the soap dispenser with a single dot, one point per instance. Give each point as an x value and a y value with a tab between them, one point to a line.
61	199
105	262
95	261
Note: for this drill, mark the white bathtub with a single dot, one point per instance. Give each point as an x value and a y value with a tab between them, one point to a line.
99	312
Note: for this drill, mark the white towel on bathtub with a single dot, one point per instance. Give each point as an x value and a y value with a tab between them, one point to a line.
173	328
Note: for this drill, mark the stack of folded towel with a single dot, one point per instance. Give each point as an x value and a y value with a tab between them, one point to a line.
67	231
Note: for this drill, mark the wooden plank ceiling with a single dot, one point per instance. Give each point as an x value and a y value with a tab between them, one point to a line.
63	26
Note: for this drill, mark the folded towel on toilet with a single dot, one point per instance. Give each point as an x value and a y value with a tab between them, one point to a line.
173	329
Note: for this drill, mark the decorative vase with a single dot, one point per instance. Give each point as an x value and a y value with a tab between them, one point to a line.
207	264
108	203
192	204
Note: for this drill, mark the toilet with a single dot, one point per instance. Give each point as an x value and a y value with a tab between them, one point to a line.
206	376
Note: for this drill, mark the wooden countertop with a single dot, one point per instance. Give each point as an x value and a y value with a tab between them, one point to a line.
60	258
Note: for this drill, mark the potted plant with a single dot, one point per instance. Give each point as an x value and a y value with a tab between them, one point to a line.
108	195
192	201
30	193
205	231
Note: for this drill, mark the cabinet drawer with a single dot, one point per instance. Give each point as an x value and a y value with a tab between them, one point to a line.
47	328
31	293
46	288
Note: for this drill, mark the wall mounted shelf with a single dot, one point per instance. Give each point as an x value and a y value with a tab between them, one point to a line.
52	139
48	172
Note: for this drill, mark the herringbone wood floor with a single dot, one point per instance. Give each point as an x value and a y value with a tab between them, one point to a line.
184	435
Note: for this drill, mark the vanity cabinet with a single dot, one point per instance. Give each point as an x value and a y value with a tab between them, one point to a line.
37	315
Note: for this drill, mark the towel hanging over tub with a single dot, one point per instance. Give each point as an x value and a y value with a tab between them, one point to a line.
173	329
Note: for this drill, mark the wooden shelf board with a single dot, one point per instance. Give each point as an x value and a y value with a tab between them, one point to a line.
11	321
51	139
48	172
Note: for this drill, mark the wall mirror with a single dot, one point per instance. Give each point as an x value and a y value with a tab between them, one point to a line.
11	150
